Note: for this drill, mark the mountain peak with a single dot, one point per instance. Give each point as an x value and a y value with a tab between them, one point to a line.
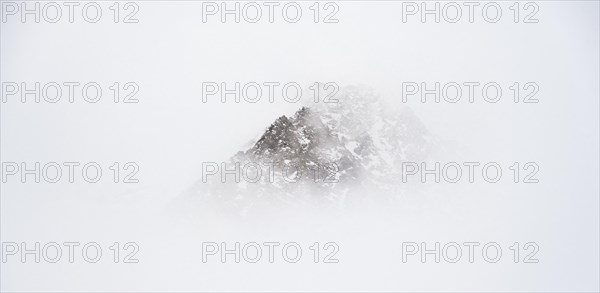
360	137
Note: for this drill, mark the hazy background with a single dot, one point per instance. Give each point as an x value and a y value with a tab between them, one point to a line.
170	52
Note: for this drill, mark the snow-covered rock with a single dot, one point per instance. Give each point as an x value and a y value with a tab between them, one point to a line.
328	152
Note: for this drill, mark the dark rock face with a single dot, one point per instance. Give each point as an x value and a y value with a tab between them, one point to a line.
331	150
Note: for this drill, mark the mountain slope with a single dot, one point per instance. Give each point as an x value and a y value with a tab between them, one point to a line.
325	152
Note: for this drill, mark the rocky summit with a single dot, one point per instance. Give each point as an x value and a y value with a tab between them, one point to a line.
325	152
